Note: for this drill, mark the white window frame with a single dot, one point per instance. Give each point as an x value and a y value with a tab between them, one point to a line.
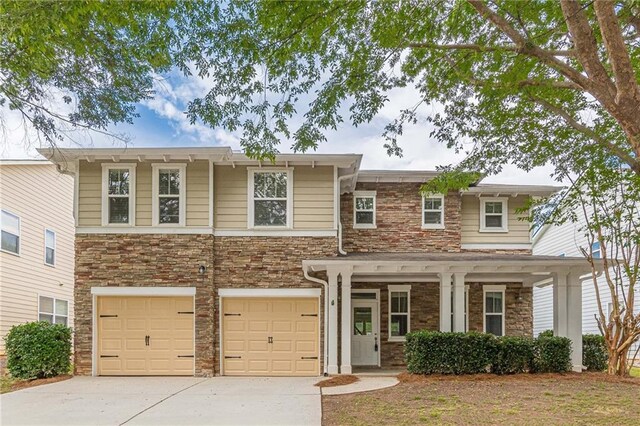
398	289
594	251
505	214
53	314
19	233
365	194
250	196
494	289
155	191
433	225
106	167
55	254
466	308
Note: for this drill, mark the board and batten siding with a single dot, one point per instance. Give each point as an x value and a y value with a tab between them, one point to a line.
313	201
470	226
43	199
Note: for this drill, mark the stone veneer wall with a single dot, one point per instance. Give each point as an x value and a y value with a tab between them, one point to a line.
519	313
144	260
399	222
266	262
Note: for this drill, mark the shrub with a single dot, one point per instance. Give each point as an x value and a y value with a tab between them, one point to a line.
552	355
38	350
546	333
514	355
429	352
594	352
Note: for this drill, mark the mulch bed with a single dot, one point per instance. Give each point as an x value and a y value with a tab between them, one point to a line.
23	384
585	376
346	379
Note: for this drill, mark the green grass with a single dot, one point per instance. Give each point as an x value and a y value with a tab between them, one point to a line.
635	372
5	383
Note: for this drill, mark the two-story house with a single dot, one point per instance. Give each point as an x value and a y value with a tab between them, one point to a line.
36	252
204	261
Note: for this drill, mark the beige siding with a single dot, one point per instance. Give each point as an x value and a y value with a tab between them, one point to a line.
143	194
42	198
230	197
89	194
518	229
313	198
198	194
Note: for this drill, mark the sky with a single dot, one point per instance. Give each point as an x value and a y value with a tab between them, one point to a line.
163	122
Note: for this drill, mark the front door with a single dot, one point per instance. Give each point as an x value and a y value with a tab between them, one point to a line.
365	344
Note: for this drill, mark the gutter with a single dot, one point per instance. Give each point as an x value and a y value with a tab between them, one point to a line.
326	317
340	179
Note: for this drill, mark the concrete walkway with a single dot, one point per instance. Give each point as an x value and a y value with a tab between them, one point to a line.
166	401
365	384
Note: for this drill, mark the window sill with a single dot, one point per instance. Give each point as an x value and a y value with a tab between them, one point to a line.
50	265
425	227
397	339
493	231
10	252
364	226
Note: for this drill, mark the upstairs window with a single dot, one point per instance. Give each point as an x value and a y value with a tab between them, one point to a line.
10	225
494	310
399	312
596	252
493	215
364	209
53	311
118	194
271	198
49	247
433	212
169	183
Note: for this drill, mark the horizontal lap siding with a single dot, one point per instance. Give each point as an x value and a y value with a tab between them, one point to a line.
90	194
313	198
470	223
230	197
198	194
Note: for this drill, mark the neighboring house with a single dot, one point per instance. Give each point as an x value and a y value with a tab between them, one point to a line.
203	261
36	253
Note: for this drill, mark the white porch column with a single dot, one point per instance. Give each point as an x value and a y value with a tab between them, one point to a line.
445	301
332	332
574	319
560	304
345	353
458	301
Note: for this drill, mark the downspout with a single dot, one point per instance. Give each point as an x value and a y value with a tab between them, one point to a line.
326	316
340	179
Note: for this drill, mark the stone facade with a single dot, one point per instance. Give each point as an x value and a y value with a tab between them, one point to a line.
518	309
399	222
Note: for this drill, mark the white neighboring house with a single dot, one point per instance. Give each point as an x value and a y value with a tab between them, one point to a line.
37	244
566	240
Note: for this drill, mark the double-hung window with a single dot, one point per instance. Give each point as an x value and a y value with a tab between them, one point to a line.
494	309
49	247
270	198
53	311
433	212
10	225
596	251
364	209
493	215
169	188
399	312
118	194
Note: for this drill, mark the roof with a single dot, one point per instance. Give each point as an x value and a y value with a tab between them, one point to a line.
396	175
452	257
502	189
25	162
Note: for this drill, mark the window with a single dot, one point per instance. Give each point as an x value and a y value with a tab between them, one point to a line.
433	212
493	215
596	252
399	308
169	188
494	309
364	209
49	247
10	225
466	307
270	198
118	194
53	311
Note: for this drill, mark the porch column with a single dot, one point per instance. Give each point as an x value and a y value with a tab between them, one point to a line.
560	304
574	319
332	331
458	302
345	352
445	301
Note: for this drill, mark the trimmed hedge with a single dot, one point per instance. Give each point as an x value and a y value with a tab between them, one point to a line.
434	352
594	352
38	350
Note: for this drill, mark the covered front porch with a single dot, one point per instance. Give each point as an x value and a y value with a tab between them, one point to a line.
374	299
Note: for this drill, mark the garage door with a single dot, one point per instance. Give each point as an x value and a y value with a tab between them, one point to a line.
270	336
140	336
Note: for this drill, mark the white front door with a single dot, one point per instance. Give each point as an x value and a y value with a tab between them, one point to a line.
365	343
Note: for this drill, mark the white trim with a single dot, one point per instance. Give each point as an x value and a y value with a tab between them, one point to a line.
269	292
182	194
466	307
491	246
55	254
76	192
433	225
364	194
208	231
336	198
19	232
275	233
505	214
132	193
250	194
144	230
211	193
143	291
399	289
53	314
493	289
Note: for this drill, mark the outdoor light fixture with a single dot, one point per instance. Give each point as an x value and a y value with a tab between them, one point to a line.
202	269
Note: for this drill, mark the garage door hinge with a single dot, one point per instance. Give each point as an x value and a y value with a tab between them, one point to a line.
108	316
185	356
185	312
232	315
108	356
232	357
309	315
309	357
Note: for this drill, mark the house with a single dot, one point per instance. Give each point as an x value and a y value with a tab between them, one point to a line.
36	252
204	261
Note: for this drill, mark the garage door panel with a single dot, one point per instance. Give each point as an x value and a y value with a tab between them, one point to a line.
280	325
258	326
234	324
308	346
256	366
257	306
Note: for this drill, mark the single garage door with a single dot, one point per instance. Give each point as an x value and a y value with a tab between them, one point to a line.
145	336
270	336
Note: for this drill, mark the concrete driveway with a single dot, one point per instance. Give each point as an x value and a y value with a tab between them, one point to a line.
166	401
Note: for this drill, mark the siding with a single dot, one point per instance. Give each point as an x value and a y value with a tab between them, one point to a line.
198	194
230	197
518	229
43	198
89	194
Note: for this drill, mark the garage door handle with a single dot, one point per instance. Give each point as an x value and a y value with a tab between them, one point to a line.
108	316
146	340
308	315
232	315
185	312
185	356
232	357
309	357
108	356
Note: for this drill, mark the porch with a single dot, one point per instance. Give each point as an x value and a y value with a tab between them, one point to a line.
374	299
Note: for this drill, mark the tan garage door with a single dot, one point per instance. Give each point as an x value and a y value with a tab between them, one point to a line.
270	336
145	336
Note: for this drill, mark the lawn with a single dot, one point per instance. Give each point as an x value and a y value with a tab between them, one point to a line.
588	398
9	384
